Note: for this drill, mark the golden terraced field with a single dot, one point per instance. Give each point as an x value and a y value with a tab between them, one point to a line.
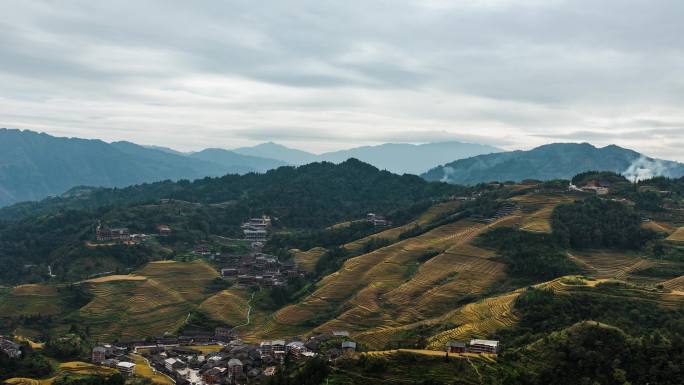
74	368
307	259
229	306
31	300
380	290
135	308
677	236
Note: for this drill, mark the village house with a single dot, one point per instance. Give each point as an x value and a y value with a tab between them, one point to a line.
340	333
483	346
110	362
172	364
10	348
223	334
348	347
256	229
377	220
258	223
234	368
99	354
163	230
214	375
265	347
597	187
256	235
456	347
296	349
278	345
126	368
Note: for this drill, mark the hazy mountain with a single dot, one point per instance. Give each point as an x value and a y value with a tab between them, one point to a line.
553	161
166	149
410	158
399	158
233	160
35	165
276	151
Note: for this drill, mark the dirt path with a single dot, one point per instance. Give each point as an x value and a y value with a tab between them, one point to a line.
249	312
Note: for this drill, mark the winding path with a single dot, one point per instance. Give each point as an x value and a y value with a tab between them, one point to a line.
249	312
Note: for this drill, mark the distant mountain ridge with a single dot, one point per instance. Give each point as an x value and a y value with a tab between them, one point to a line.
400	158
241	163
36	165
553	161
277	151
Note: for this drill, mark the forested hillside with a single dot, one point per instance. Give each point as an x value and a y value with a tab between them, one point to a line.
552	161
306	197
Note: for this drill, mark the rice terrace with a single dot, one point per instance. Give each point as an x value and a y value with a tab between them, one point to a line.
406	290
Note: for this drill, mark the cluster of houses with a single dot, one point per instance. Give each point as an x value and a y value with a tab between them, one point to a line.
107	234
113	356
10	348
256	229
259	269
123	234
598	187
473	346
378	220
238	362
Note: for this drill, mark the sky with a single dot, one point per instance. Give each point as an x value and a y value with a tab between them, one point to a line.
324	75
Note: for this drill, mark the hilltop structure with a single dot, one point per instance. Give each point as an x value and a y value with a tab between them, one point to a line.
256	229
106	234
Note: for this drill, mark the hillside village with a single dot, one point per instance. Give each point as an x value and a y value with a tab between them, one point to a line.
401	289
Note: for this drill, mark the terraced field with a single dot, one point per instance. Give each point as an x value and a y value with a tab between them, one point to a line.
430	353
186	278
229	306
392	234
30	300
603	264
136	308
155	300
537	209
133	309
569	285
74	368
659	227
394	286
677	235
478	320
675	284
143	369
307	259
112	278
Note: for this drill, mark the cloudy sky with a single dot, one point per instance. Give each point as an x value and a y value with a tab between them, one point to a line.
322	75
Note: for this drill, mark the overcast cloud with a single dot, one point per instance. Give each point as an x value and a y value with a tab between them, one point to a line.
322	75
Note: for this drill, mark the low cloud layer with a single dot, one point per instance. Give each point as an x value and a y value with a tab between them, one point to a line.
325	75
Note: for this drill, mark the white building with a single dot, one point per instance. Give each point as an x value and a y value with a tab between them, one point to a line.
126	368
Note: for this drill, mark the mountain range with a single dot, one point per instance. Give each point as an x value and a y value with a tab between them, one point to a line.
37	165
553	161
399	158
